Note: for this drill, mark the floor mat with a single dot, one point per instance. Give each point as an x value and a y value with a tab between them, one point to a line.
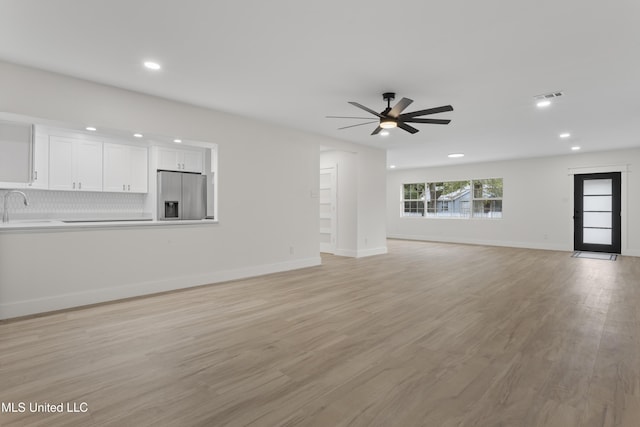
595	255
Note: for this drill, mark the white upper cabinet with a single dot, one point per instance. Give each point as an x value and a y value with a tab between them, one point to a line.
180	160
192	161
125	168
139	169
40	162
16	145
75	164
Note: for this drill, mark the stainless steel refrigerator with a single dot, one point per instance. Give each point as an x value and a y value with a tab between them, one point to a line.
181	196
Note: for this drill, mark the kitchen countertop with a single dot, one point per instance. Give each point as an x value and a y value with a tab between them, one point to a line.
76	224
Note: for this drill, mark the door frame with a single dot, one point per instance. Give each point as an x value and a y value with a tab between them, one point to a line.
623	169
616	208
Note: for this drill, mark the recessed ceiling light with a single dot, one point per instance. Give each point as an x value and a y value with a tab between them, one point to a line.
565	135
177	141
91	128
455	155
137	135
575	148
543	104
384	133
392	166
152	65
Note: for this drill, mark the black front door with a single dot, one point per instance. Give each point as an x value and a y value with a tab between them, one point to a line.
597	212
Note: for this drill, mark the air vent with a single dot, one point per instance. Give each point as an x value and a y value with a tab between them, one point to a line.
548	95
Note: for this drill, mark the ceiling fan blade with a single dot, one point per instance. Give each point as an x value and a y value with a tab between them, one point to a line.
348	117
368	110
406	127
426	112
376	131
430	121
399	107
359	124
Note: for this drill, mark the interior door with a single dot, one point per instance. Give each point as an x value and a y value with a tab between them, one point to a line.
597	222
328	202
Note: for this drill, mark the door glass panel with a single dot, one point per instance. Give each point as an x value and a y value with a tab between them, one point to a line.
597	186
597	219
597	203
597	235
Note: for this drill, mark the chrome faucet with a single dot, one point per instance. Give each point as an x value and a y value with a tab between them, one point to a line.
5	215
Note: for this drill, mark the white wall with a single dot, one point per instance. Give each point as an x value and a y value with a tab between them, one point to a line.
268	215
537	204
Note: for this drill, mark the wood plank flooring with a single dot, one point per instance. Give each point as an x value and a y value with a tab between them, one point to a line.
427	335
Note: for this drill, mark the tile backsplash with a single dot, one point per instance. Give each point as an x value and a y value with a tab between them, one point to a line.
74	204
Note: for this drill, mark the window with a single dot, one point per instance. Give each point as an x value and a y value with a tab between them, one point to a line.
487	198
413	200
478	198
447	198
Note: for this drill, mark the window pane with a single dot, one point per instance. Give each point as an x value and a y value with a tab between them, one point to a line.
597	203
413	208
597	219
487	208
596	235
487	188
451	198
597	186
413	191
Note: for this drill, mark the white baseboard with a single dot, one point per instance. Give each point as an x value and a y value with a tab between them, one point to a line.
508	244
361	253
630	252
77	299
370	252
346	252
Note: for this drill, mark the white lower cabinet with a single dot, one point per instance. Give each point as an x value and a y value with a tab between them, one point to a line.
75	164
125	168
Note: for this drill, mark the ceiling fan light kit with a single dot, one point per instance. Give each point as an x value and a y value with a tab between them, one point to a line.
392	117
388	124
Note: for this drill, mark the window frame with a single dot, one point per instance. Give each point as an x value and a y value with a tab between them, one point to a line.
470	204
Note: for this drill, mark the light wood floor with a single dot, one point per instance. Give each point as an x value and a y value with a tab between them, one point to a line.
428	335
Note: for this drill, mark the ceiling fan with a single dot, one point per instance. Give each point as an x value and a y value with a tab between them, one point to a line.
392	117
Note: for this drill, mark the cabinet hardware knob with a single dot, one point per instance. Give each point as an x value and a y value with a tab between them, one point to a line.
79	186
122	187
129	187
74	185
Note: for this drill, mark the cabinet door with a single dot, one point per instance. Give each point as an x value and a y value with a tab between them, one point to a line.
169	159
116	163
61	174
16	143
40	162
139	170
192	161
88	164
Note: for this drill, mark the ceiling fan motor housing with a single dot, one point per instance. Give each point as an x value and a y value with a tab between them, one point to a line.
389	96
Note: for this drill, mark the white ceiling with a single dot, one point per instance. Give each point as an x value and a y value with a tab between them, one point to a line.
294	62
